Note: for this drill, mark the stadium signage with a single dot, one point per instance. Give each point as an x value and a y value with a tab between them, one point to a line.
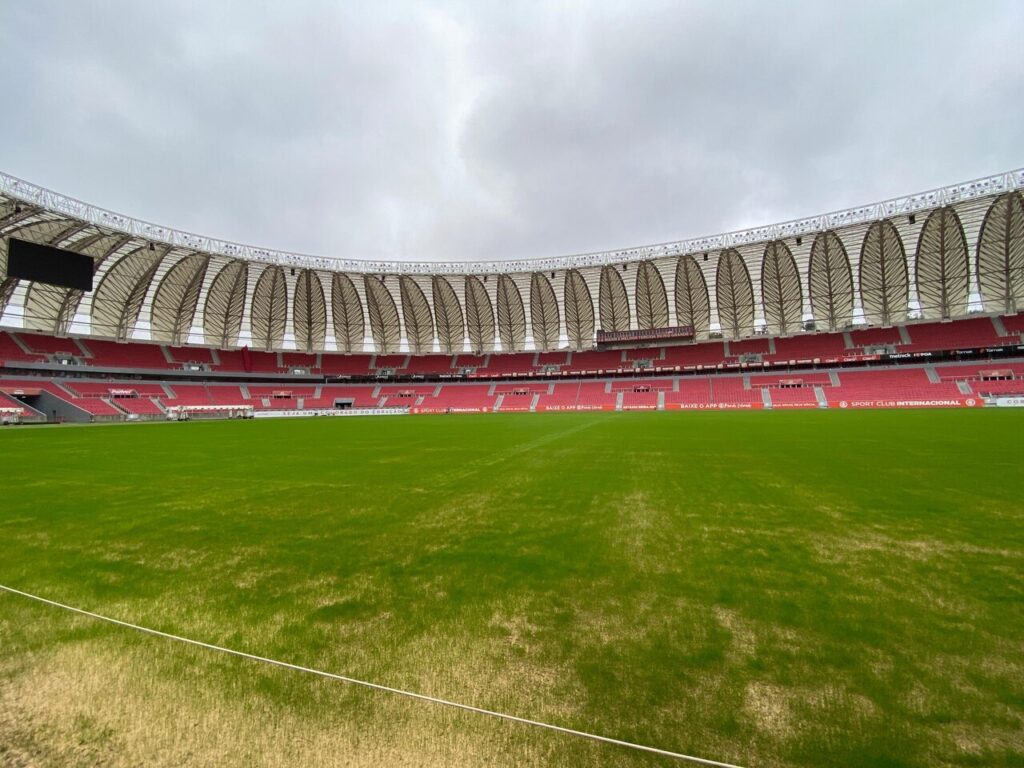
556	408
1009	402
281	413
653	334
720	406
451	409
962	402
908	355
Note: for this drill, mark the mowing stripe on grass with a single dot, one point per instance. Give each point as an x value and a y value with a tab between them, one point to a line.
374	686
471	468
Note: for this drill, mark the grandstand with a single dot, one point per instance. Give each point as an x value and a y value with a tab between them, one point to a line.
85	379
856	306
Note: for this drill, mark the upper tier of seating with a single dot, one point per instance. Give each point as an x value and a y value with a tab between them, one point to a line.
12	352
819	348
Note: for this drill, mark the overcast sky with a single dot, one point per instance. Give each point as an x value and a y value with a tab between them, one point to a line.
460	131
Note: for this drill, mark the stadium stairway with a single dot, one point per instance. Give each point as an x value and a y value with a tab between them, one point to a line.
819	394
21	344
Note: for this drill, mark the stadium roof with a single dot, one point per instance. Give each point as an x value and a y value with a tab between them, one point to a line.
934	255
19	189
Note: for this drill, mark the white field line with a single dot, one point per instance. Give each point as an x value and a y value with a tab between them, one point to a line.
375	686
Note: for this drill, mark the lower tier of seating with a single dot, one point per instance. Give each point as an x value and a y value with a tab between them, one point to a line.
964	384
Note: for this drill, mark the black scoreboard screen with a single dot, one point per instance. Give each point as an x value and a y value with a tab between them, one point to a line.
46	264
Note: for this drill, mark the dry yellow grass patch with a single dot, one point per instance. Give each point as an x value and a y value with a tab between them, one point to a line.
99	703
768	706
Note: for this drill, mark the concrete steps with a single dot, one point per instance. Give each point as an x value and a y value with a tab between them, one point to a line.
819	395
82	348
21	344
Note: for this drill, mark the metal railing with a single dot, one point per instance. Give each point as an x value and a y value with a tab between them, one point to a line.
28	192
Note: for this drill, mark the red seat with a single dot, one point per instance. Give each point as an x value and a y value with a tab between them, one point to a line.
113	354
971	333
11	352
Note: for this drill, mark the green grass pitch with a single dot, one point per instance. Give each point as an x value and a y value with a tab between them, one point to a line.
770	589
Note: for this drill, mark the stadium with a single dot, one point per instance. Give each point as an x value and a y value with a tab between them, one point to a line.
520	569
434	384
908	302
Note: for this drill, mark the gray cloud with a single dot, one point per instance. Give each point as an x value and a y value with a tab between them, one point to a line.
462	131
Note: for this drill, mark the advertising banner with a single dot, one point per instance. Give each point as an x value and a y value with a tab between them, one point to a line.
284	414
1009	402
951	402
717	406
575	407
